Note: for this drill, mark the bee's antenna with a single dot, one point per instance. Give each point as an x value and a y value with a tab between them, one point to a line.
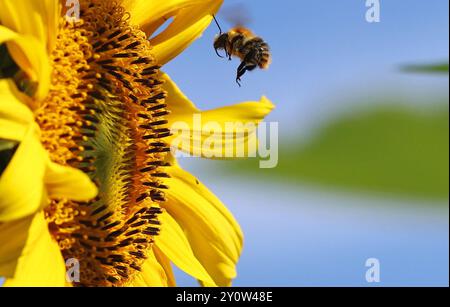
218	25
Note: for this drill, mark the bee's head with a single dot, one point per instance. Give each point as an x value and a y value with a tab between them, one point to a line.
220	43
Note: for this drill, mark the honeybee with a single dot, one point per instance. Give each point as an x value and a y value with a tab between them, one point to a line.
242	43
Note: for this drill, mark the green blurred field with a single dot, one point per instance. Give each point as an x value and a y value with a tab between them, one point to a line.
398	151
437	68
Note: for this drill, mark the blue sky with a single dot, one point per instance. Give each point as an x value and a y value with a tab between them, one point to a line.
327	58
324	52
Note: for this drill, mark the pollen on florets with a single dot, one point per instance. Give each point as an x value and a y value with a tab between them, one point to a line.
105	115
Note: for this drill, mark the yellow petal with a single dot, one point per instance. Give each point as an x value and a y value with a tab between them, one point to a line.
30	172
50	11
68	182
15	117
35	23
28	254
36	18
144	12
174	244
7	34
152	274
212	231
22	182
236	125
191	18
30	178
180	104
31	56
166	265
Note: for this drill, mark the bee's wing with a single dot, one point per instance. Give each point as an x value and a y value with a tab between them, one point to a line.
237	14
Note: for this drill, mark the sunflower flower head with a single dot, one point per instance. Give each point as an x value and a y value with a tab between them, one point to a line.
98	104
111	118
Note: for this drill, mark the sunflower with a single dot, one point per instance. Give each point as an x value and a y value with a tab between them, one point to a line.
85	117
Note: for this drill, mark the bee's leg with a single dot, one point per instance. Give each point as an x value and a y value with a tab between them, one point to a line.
242	69
240	72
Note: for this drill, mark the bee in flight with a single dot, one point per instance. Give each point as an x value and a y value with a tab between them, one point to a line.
240	42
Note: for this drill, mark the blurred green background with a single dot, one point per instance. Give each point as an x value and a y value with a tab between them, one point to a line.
389	149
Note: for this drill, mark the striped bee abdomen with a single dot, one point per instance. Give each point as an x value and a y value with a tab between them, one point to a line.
256	51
